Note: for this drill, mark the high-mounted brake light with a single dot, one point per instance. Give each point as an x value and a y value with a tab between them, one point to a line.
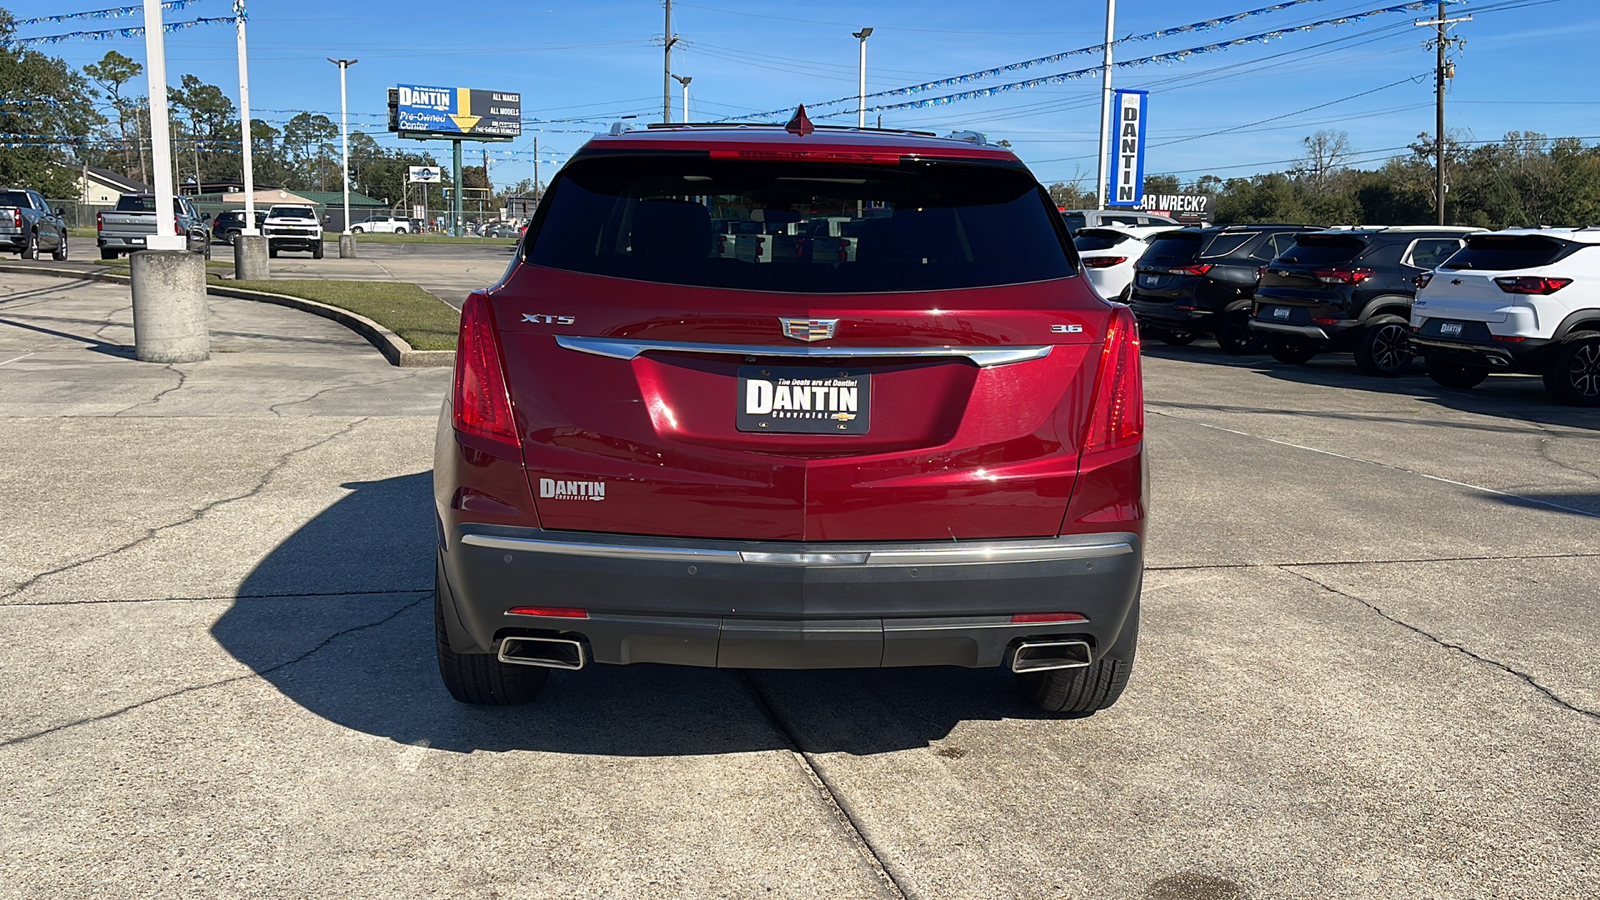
1117	414
1194	269
1342	276
1531	284
482	407
1103	262
839	156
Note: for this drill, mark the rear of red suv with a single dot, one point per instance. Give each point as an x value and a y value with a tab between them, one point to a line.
916	441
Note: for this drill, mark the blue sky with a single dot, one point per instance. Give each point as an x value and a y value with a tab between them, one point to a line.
1527	65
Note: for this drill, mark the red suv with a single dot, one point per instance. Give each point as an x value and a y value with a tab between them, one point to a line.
791	398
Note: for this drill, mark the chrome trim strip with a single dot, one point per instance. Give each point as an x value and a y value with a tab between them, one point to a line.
980	356
957	554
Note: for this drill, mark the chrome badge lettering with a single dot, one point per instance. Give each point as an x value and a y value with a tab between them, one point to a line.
808	329
538	319
1066	329
553	489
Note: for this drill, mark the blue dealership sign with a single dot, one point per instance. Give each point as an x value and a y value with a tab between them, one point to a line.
1128	111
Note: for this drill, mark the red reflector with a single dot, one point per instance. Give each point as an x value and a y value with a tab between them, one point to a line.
1196	269
1530	284
1103	262
1021	618
481	405
839	156
1342	276
557	612
1509	339
99	221
1117	416
1324	321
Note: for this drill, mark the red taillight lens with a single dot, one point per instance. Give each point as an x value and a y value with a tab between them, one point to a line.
482	406
1022	618
1196	269
16	219
1528	284
1103	262
558	612
1317	321
1342	276
176	228
1423	279
99	222
1117	416
1509	338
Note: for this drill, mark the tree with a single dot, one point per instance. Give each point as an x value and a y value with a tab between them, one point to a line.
41	97
211	129
307	141
111	73
1327	153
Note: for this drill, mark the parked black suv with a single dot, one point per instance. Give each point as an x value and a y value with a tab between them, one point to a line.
227	226
1349	290
1201	280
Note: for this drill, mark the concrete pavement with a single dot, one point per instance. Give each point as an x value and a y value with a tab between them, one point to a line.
1366	667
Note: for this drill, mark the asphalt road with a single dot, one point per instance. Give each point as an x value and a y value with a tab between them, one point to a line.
1366	671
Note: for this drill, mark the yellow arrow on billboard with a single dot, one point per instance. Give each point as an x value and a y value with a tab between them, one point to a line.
464	119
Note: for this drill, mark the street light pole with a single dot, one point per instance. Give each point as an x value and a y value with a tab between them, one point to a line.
861	98
344	139
684	80
155	66
1105	107
244	124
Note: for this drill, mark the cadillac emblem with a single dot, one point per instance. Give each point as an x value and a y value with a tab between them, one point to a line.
808	329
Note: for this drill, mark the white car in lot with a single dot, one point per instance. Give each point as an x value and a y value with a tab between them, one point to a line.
1525	300
382	225
1109	253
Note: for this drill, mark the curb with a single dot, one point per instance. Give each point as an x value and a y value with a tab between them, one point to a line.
393	347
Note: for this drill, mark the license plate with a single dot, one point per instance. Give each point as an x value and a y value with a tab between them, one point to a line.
135	240
1451	328
1147	281
804	400
1279	312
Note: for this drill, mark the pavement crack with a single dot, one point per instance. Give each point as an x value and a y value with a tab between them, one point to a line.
276	408
893	880
182	379
260	673
1452	645
201	512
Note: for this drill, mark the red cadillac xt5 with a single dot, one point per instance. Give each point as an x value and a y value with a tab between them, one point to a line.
760	397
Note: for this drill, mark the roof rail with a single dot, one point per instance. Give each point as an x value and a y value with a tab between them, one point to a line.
666	126
976	137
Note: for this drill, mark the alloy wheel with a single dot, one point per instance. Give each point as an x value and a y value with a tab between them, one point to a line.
1391	348
1584	372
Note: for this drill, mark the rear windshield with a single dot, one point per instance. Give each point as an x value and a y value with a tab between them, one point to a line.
1097	240
1074	221
14	198
1180	246
294	212
132	203
1498	253
801	227
1223	243
1323	250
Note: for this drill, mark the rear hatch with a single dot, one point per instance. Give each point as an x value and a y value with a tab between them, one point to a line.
1464	288
1167	271
934	385
1314	278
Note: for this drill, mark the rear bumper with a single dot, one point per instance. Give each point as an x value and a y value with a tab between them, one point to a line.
1525	356
747	604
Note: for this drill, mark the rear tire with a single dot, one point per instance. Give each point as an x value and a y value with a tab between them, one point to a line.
399	231
1291	353
1573	376
1455	375
60	254
1234	335
479	678
1385	347
30	250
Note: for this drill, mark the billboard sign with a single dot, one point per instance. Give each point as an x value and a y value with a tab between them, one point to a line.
1186	208
424	175
1128	110
450	112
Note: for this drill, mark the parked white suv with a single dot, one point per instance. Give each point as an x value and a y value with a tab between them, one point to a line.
1109	252
1515	301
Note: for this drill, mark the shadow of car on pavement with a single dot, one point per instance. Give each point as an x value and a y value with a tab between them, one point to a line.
339	618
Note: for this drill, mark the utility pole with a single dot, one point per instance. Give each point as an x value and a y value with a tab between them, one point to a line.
536	191
1444	70
1105	107
668	39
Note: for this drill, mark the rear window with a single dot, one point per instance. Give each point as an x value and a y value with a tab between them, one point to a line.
1323	250
1074	221
1507	253
1090	241
801	227
14	198
135	204
1225	243
294	212
1174	247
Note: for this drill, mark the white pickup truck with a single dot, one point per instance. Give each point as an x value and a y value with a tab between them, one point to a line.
293	227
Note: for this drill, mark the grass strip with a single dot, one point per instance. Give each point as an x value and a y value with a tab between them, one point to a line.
421	319
128	263
332	237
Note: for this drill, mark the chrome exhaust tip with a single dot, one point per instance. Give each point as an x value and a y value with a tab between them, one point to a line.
1039	656
552	653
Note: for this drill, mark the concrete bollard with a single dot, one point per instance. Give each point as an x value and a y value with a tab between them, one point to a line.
347	246
169	307
250	258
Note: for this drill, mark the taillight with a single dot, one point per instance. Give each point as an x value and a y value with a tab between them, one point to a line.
554	612
1530	284
1103	262
1423	279
1509	338
16	219
99	222
1342	276
1117	415
176	228
1195	269
482	406
1027	618
1317	321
